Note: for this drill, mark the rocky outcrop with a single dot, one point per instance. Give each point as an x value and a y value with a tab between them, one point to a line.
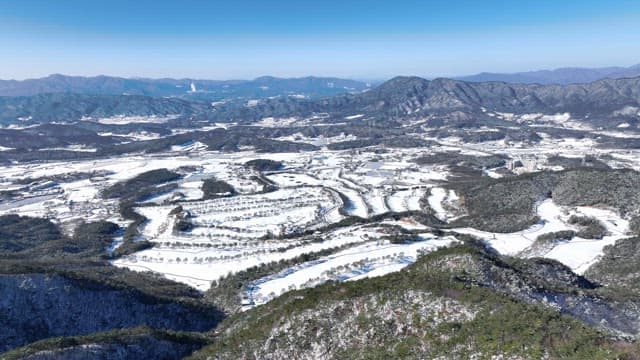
141	348
546	282
38	306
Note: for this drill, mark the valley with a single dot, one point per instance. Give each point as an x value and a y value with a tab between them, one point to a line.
297	208
238	210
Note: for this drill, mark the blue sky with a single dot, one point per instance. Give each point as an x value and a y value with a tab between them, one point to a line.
357	39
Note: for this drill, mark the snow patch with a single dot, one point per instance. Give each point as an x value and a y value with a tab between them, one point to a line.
126	119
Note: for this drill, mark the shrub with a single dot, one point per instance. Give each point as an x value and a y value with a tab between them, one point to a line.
131	188
590	228
212	188
264	164
18	233
555	236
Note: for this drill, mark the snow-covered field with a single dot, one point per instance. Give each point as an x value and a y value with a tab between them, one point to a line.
233	234
242	218
124	119
371	258
578	253
314	190
441	202
199	266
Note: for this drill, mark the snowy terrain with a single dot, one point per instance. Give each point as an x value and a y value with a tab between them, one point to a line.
577	253
372	258
312	192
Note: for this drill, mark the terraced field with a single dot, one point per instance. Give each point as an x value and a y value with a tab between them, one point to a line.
320	215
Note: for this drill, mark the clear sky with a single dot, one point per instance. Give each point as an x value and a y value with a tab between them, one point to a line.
370	39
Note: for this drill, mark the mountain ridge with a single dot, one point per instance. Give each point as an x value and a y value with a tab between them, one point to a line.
564	75
404	97
415	97
112	85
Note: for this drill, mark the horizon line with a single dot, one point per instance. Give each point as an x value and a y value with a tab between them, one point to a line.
353	78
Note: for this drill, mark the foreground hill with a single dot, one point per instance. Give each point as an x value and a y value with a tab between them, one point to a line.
462	302
55	285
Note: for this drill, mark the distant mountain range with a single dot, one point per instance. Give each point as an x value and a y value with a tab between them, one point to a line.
268	86
399	98
417	98
414	95
569	75
51	107
262	87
